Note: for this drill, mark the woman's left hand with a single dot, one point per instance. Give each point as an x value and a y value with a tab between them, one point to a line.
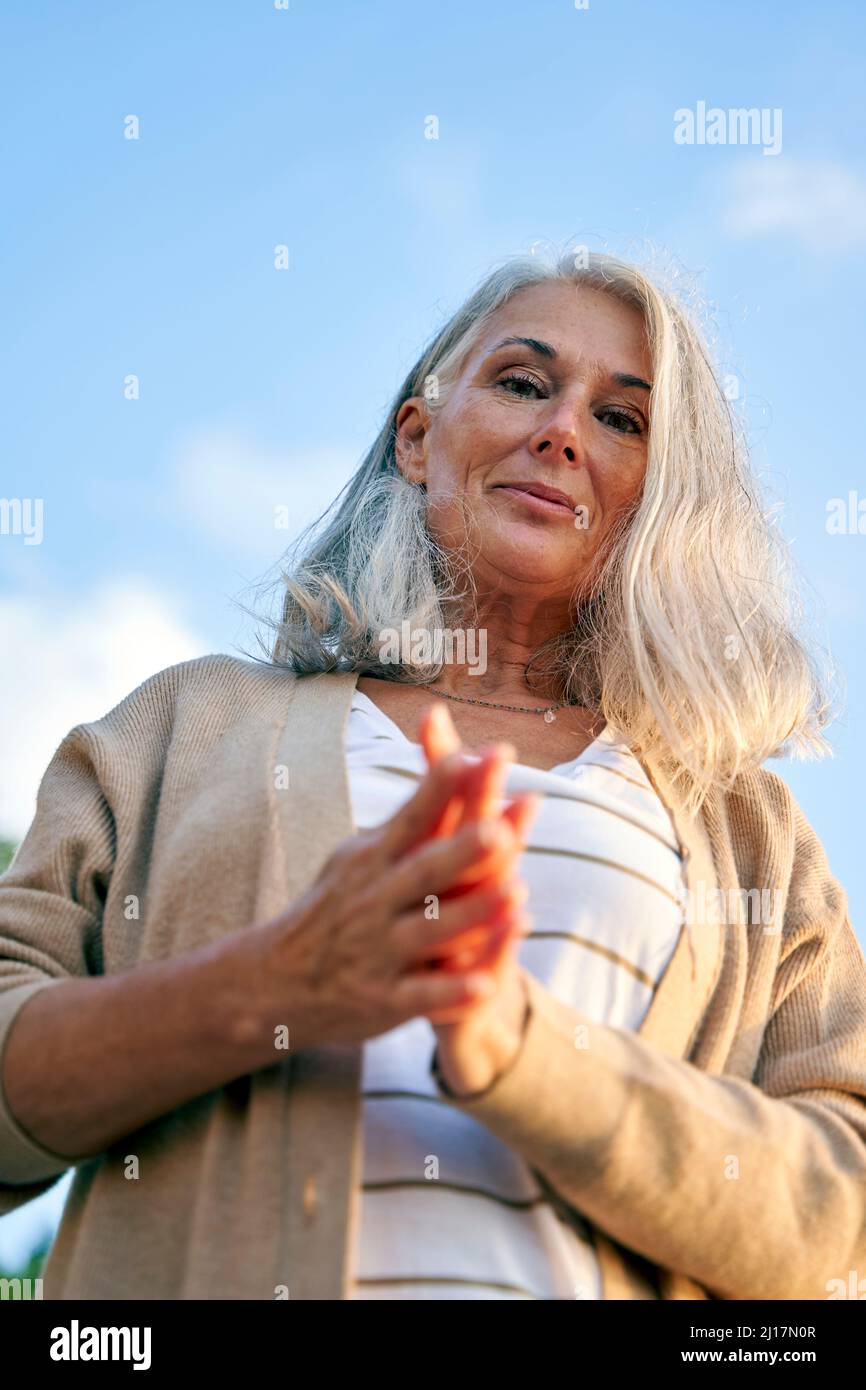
477	1047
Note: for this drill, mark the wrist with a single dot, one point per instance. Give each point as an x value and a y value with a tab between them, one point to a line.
502	1061
255	1007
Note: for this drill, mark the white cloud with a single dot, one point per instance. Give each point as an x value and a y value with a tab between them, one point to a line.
69	662
249	500
822	205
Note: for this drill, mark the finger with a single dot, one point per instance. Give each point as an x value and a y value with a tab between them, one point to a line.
437	733
487	791
521	813
516	818
462	923
438	738
503	937
485	796
518	815
434	993
497	863
417	818
446	868
491	952
482	787
446	1008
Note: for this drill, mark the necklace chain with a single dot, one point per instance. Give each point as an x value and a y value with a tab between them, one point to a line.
547	710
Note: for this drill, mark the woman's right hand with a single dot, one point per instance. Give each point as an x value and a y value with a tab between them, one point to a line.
360	952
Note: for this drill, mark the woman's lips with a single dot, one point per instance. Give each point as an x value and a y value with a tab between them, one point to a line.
542	505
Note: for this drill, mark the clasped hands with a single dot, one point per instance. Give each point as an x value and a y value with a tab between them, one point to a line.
475	1048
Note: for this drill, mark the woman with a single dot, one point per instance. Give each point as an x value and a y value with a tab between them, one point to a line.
339	1014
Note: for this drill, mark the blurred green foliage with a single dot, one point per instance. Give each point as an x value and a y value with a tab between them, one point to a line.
33	1268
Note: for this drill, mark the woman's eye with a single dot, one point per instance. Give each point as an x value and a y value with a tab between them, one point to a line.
521	383
516	384
625	423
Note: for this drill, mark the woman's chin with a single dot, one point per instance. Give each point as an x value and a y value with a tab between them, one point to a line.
536	560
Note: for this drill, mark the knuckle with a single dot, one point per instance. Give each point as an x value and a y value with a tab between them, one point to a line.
359	848
366	842
406	821
340	853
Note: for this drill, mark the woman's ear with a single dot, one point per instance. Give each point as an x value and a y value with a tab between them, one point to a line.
410	434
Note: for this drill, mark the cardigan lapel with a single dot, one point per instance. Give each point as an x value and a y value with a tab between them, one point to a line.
323	1139
682	995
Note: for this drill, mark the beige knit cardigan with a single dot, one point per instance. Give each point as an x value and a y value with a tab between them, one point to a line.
717	1152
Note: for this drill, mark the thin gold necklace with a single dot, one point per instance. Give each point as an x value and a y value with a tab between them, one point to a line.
547	710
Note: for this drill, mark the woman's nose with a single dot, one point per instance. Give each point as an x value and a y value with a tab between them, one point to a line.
560	436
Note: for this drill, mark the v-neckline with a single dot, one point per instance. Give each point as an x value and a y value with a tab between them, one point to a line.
562	769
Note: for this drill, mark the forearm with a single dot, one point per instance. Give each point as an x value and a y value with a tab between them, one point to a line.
753	1197
89	1060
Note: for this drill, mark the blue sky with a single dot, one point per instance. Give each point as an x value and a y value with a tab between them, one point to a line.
305	127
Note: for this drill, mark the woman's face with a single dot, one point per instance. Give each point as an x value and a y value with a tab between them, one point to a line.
568	409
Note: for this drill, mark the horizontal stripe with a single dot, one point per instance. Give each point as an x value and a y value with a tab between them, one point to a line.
459	1282
607	863
604	862
431	1184
605	767
561	1211
550	796
391	1093
609	810
600	950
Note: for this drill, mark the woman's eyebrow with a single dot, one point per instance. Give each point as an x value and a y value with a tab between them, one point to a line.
547	350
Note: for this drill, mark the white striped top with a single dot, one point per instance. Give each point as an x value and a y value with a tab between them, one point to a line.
448	1211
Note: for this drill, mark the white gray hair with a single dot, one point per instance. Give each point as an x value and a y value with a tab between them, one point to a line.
685	639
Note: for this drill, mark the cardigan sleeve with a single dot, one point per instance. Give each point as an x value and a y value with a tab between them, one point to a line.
756	1189
51	900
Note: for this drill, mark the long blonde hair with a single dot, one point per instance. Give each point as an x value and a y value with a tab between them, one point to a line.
685	640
